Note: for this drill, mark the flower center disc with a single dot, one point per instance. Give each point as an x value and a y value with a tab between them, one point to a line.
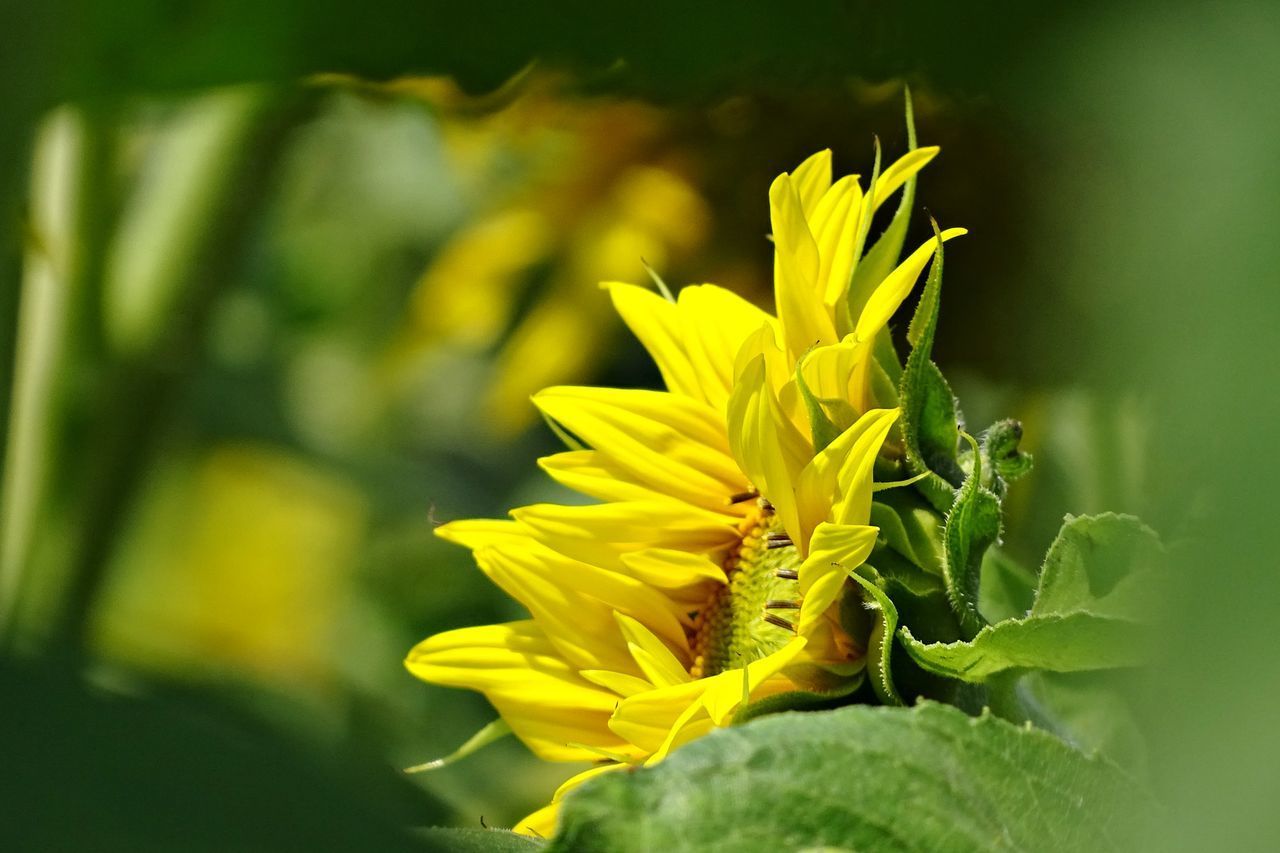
753	615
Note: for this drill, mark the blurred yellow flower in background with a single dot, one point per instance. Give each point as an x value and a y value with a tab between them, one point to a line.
242	567
596	194
733	504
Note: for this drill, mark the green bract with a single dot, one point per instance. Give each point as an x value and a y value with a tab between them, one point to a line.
1087	613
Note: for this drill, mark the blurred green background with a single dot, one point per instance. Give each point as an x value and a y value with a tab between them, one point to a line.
276	281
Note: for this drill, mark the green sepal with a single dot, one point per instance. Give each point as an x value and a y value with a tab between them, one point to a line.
1005	461
820	698
494	731
973	525
561	433
658	282
904	578
915	598
884	389
847	312
821	427
883	256
886	357
909	527
930	418
930	430
1096	584
880	643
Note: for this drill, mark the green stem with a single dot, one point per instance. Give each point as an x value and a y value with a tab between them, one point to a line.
68	162
138	393
1008	702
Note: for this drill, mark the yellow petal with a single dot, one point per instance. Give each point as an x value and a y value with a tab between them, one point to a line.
601	533
511	657
646	719
693	723
565	594
830	649
891	292
826	369
649	719
621	683
658	324
668	568
672	444
573	602
854	479
828	372
766	444
819	489
778	374
577	624
585	776
797	291
561	734
655	660
835	225
477	532
522	673
834	550
717	322
901	171
592	474
725	691
542	823
812	178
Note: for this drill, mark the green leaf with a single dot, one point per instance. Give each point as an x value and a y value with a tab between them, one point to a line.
167	766
1007	589
480	841
862	778
1099	563
1095	588
1091	711
973	525
1068	643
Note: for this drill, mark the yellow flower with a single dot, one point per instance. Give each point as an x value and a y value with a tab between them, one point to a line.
578	189
709	573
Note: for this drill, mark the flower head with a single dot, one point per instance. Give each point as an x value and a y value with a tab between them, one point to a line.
731	506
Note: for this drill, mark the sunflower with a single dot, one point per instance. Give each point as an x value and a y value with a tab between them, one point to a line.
731	506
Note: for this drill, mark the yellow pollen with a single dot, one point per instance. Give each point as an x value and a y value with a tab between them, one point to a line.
751	616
